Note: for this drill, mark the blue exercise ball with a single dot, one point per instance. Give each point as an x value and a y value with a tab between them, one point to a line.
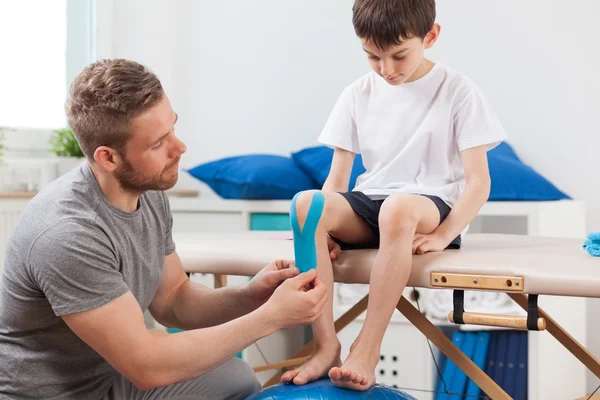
323	389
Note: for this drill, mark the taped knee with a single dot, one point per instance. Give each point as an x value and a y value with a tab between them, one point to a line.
305	249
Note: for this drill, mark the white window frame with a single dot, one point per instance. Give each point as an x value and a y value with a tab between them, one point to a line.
22	144
81	36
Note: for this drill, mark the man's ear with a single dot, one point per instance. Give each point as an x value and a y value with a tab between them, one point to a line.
107	158
432	36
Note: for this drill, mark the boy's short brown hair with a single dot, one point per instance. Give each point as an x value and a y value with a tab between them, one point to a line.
105	97
390	22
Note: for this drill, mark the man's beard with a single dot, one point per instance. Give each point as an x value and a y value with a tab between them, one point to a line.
134	181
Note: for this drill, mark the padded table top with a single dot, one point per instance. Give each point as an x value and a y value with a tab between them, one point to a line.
550	266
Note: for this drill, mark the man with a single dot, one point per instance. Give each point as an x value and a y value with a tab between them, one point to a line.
94	250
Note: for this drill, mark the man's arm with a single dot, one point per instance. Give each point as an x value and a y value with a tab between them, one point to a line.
477	192
184	304
338	179
154	361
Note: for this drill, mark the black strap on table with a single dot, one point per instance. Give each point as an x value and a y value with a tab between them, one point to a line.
532	312
532	309
459	306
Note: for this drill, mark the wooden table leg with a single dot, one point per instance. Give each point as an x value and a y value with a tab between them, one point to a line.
443	343
220	281
562	336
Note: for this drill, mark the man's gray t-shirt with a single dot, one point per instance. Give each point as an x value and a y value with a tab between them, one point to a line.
72	251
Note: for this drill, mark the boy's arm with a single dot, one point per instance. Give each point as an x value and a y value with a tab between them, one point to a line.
338	179
477	191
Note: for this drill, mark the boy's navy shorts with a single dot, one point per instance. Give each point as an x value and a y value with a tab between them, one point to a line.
368	209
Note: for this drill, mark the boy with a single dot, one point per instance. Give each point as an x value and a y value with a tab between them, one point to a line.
423	131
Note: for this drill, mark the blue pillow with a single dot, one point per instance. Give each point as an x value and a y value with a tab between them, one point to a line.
504	150
316	162
512	180
254	177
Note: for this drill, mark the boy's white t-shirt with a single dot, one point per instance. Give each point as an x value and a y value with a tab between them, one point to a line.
410	136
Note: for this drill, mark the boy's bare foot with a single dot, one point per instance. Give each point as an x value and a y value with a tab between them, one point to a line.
316	367
357	372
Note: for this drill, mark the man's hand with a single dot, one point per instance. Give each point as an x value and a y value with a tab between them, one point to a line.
261	287
334	248
425	243
297	301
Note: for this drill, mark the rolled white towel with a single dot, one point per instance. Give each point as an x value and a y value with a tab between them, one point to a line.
441	301
351	293
500	303
495	300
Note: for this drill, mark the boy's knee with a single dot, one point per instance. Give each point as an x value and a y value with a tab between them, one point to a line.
398	212
303	203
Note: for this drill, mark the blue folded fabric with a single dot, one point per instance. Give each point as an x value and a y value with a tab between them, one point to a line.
254	177
592	244
512	180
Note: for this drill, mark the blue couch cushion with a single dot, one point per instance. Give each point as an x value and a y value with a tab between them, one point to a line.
316	162
512	180
254	177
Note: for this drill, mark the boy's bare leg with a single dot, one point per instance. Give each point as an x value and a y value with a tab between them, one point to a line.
342	222
401	216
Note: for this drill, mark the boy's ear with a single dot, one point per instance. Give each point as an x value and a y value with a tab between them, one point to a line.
432	36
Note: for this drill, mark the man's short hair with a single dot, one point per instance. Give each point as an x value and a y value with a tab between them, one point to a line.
104	99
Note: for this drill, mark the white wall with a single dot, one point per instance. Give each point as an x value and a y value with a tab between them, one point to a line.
243	76
537	61
262	76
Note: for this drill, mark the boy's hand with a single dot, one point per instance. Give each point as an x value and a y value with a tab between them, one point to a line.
262	286
425	243
334	248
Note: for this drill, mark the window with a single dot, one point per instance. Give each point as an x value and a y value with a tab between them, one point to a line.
42	43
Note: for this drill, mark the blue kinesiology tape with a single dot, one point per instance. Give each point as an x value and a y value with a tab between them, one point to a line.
305	249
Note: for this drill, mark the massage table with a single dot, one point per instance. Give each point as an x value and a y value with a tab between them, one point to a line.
524	267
